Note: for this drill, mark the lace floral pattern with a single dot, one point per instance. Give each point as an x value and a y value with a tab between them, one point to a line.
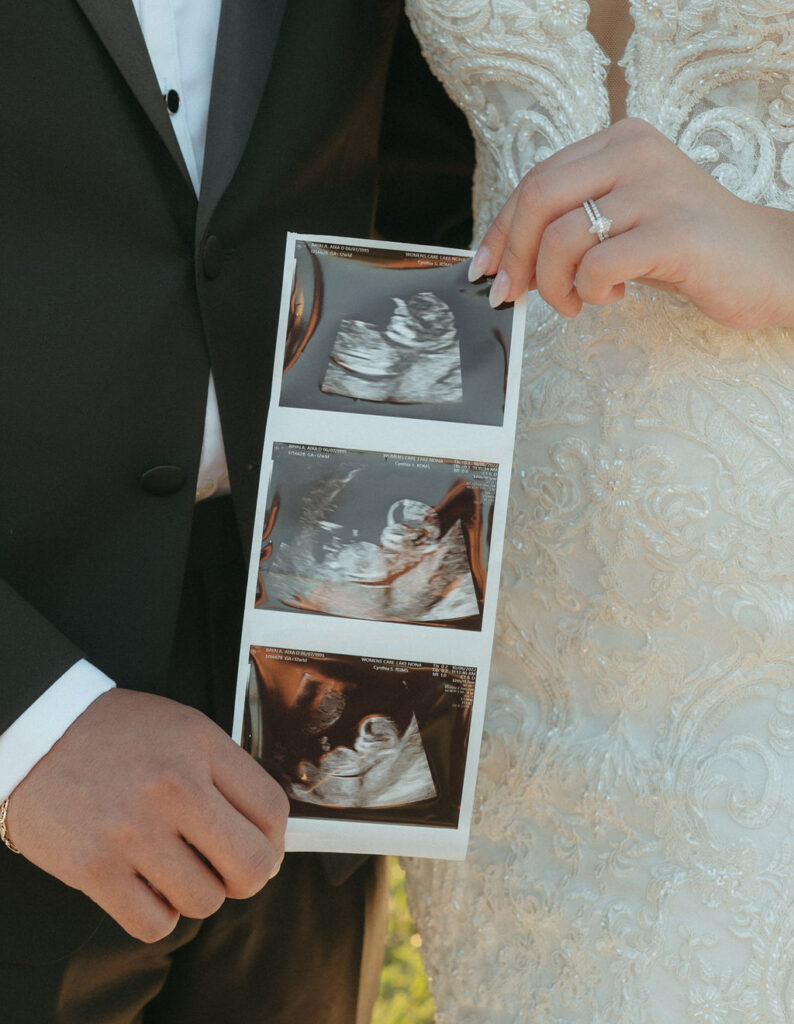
715	76
632	855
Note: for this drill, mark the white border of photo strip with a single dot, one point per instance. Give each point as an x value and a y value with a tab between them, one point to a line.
384	640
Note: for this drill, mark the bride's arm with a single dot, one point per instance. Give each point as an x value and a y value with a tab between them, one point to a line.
672	226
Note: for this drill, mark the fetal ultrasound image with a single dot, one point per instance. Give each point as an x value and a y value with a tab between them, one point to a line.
390	333
364	738
416	358
379	536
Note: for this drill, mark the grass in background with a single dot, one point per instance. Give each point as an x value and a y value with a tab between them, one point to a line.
404	997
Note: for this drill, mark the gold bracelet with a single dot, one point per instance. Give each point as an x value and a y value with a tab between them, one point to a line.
6	838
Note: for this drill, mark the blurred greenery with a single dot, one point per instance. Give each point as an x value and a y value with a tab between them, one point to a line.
404	997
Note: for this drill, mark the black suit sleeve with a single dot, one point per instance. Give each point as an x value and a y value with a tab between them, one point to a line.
32	652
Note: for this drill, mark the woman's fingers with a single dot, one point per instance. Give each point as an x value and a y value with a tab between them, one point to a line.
575	267
542	197
531	242
489	254
673	227
604	269
563	246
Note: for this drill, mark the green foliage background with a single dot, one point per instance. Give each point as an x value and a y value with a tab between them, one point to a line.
404	997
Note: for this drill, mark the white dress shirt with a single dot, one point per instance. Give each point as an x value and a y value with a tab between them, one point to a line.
180	36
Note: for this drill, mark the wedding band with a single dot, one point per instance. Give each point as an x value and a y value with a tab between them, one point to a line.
599	225
6	838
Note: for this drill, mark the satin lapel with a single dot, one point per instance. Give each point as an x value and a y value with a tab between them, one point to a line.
117	26
247	37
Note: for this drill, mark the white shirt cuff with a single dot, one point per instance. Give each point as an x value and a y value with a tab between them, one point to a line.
37	729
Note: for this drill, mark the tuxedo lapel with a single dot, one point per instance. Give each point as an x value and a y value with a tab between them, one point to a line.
117	26
247	37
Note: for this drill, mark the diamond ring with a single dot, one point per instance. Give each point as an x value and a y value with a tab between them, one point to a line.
599	225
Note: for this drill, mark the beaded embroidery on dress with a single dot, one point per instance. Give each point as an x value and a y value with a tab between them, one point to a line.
632	853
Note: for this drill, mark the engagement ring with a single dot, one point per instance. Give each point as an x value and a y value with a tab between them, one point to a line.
600	225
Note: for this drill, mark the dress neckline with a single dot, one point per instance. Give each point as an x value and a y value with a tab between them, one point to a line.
611	35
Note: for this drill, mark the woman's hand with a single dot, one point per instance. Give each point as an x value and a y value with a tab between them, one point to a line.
673	227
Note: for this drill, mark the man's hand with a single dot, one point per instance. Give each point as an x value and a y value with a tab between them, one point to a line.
153	811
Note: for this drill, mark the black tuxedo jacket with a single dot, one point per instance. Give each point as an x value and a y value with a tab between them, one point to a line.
119	290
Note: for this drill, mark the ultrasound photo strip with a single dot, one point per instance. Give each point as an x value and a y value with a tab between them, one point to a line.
379	531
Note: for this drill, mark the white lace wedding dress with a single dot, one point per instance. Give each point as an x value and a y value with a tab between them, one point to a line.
632	856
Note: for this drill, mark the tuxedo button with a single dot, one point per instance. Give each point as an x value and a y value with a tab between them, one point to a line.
172	100
163	479
212	257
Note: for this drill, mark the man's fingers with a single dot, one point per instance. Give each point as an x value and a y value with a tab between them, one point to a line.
234	818
244	857
254	793
134	905
180	876
139	788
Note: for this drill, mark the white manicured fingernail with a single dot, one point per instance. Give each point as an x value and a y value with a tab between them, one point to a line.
499	289
479	264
